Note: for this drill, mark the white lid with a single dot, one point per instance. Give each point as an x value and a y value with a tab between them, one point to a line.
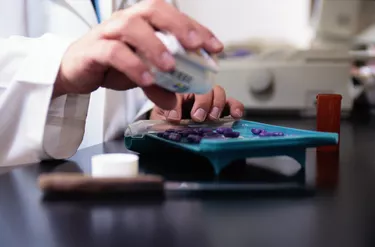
114	165
171	42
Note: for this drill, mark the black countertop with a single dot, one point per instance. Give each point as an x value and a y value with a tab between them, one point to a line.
343	217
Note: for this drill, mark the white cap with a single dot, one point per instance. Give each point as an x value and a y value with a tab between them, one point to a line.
170	42
114	165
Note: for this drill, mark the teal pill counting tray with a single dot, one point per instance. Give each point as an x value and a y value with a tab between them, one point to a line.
142	137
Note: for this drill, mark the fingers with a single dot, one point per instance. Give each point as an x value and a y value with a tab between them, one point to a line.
218	103
134	28
166	17
236	108
175	115
157	114
209	106
119	56
136	32
161	97
210	41
202	106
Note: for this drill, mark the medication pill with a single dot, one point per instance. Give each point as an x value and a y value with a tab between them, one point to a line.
278	134
174	137
227	131
197	131
212	135
205	130
256	131
165	135
265	134
233	134
221	130
194	138
170	131
186	132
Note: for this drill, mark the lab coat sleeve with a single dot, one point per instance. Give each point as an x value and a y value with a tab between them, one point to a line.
32	126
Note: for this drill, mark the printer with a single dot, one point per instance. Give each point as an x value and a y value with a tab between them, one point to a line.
283	78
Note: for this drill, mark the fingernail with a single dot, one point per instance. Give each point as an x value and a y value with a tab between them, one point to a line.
147	78
167	60
194	38
173	115
216	44
215	112
200	114
238	113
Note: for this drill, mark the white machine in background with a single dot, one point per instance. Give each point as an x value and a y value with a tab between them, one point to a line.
289	78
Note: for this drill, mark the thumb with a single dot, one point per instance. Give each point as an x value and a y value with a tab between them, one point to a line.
162	98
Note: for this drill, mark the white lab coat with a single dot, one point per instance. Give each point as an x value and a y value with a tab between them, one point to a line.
32	127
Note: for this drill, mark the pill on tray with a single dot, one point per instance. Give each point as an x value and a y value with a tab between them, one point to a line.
233	134
185	133
212	135
174	137
194	138
221	130
256	131
205	130
278	134
166	135
265	134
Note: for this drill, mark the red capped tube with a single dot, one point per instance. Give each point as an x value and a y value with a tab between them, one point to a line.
328	107
328	157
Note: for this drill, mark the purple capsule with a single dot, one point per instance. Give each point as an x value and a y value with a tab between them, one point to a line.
228	131
221	130
165	135
174	137
233	134
186	132
170	131
196	131
278	134
212	135
265	134
205	130
201	131
194	139
256	131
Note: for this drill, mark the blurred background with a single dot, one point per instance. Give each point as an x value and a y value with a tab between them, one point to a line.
281	53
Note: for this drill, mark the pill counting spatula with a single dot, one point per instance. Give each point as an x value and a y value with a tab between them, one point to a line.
77	187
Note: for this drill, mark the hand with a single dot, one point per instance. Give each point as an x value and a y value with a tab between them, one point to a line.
107	55
199	108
